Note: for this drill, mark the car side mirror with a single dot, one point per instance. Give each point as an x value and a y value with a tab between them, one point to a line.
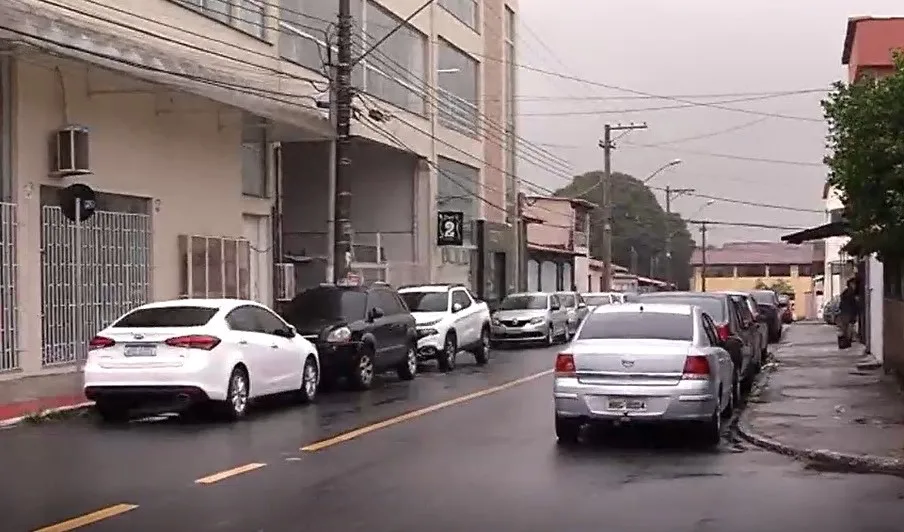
375	313
582	305
291	332
555	307
456	307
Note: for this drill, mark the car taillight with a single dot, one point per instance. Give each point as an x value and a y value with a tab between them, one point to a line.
194	341
723	331
565	365
100	342
696	367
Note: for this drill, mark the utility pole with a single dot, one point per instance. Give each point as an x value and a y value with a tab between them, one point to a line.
669	193
342	199
606	185
703	256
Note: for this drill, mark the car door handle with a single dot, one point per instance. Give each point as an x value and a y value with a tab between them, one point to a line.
275	346
243	342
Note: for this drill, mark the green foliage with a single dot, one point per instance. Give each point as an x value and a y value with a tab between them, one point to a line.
638	222
779	286
760	285
866	159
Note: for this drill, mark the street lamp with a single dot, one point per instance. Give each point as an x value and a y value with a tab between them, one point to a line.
674	162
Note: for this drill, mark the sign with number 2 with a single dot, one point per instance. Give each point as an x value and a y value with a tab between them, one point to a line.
450	228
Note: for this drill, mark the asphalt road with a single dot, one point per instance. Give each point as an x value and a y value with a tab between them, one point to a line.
473	450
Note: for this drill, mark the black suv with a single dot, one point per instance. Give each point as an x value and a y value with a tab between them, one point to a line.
768	303
358	331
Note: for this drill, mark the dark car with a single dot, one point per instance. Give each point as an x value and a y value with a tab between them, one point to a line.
726	315
787	306
768	303
358	331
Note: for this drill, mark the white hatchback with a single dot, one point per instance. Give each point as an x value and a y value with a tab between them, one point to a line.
172	355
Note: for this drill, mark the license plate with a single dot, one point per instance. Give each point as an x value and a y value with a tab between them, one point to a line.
627	404
140	351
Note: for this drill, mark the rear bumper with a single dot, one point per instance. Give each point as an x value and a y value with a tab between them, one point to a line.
685	401
203	382
139	395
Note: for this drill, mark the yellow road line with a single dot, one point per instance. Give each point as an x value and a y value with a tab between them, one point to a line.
222	475
323	444
88	519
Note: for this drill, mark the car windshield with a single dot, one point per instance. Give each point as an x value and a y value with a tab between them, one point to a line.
426	301
523	302
567	300
597	300
327	303
714	306
638	325
763	298
185	316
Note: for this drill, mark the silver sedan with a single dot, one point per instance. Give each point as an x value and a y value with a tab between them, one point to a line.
645	363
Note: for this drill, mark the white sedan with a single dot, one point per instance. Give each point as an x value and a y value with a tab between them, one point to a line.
173	355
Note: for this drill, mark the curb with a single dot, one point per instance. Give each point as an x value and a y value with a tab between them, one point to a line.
824	458
13	421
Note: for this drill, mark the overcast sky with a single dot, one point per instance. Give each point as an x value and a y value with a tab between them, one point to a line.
688	49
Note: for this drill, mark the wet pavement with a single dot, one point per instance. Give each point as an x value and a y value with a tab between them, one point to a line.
818	399
486	463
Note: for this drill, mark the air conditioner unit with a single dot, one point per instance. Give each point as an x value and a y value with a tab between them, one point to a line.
69	152
284	273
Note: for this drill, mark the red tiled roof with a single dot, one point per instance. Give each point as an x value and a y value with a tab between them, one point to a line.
757	253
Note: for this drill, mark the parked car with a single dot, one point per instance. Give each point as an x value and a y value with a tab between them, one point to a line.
830	310
725	313
529	317
358	331
575	308
176	355
595	299
787	307
646	362
449	318
750	313
768	303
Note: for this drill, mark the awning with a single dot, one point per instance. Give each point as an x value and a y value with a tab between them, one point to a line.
258	95
819	232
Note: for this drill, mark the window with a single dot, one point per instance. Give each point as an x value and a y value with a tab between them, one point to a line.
835	215
242	319
638	325
511	183
386	301
327	303
569	300
461	298
457	190
533	275
426	301
717	270
806	270
751	270
254	159
303	27
779	270
396	70
714	306
467	11
214	267
566	278
247	15
268	323
523	302
709	329
153	317
457	89
549	276
6	133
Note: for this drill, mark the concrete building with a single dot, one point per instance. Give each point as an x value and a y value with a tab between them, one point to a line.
558	243
199	129
868	45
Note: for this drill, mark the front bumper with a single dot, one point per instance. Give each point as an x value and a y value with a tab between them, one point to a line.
530	332
430	343
337	359
685	401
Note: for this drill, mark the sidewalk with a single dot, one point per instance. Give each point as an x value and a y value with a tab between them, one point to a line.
31	395
815	404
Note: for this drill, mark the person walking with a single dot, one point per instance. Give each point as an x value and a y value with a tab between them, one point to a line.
848	311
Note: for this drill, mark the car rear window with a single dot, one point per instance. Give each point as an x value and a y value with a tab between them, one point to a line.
146	318
638	325
714	306
567	300
327	303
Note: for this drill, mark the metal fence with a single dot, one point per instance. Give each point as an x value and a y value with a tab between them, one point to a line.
9	308
81	295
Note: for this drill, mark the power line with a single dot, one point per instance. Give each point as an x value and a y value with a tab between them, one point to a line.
556	98
711	134
726	155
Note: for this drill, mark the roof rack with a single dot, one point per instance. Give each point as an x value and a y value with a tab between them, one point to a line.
450	285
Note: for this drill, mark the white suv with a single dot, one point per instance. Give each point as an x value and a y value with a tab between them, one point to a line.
448	319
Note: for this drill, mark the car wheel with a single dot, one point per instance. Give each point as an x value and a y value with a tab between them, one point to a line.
111	412
407	370
362	375
237	395
711	432
309	381
450	351
568	430
482	351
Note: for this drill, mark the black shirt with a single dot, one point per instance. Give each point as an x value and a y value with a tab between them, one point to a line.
848	302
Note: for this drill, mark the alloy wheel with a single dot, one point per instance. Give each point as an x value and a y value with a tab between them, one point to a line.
239	393
309	380
412	360
365	369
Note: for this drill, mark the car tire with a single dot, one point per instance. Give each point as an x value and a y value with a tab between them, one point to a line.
111	412
568	430
238	394
711	431
361	376
446	359
310	378
407	369
482	351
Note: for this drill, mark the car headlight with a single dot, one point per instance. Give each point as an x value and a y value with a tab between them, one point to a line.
496	321
429	323
342	334
423	333
538	319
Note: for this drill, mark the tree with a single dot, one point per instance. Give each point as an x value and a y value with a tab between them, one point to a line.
638	223
866	159
779	286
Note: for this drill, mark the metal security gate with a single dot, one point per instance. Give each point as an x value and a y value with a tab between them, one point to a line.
115	277
9	308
